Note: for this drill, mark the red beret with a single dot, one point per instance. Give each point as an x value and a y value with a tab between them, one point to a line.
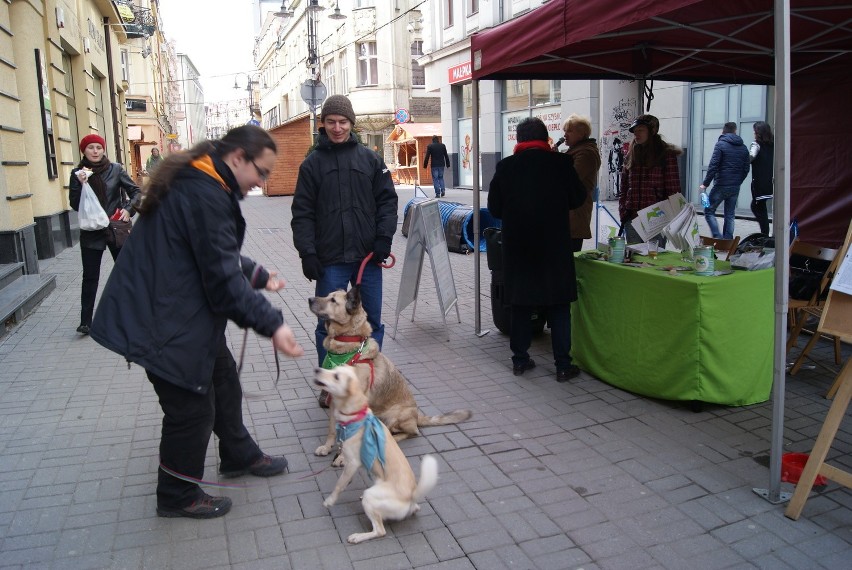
89	139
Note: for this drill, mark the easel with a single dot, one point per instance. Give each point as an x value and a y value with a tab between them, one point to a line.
836	320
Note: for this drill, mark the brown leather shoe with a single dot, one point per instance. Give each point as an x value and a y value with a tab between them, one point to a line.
206	507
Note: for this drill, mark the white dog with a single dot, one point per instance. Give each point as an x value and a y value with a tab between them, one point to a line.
365	439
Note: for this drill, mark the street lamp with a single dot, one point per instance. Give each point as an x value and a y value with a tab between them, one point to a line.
337	15
251	81
284	13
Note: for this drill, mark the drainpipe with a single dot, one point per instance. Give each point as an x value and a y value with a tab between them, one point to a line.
119	156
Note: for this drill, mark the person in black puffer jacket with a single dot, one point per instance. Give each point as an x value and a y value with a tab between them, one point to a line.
345	208
178	281
728	168
115	192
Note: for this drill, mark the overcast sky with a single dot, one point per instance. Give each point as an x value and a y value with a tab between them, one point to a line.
218	36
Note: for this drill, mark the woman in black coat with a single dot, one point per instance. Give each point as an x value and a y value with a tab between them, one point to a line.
532	192
762	156
178	281
116	193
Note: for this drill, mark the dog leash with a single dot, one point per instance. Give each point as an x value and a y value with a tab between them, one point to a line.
383	265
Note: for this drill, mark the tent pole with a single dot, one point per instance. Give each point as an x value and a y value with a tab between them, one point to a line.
477	312
781	231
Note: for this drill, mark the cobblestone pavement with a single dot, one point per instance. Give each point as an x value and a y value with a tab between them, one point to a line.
545	475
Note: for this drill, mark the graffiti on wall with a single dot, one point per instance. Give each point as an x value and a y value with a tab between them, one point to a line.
615	140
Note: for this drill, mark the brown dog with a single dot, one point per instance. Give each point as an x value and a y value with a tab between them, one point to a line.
386	388
366	442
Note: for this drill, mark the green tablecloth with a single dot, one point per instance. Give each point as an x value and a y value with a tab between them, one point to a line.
676	337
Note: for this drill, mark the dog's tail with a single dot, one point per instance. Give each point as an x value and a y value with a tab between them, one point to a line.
428	477
453	417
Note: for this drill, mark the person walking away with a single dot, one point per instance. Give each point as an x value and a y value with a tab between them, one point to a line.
437	151
762	155
116	192
177	283
728	167
344	208
587	163
532	192
650	174
153	161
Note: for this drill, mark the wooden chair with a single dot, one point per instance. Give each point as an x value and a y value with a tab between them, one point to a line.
721	245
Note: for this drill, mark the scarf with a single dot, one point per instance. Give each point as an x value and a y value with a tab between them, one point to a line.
541	145
373	442
95	180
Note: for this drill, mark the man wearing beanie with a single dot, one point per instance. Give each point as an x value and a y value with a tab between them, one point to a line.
345	208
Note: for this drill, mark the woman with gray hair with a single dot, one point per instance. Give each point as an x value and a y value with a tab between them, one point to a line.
587	162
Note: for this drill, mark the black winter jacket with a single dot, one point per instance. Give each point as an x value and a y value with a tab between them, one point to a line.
438	153
730	162
344	200
178	280
115	180
532	192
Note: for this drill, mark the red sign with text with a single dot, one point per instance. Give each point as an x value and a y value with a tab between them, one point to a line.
459	73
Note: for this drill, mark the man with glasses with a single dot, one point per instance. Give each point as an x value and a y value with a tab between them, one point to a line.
345	208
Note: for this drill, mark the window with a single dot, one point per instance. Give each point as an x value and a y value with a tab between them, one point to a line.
328	75
418	74
46	115
72	105
545	91
472	7
368	72
100	120
364	3
125	65
344	74
448	13
466	109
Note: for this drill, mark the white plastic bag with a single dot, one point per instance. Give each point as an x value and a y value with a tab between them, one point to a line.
91	214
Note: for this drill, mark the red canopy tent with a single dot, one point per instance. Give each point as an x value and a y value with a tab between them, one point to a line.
805	51
706	41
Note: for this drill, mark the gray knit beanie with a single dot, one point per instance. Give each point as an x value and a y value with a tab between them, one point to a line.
338	105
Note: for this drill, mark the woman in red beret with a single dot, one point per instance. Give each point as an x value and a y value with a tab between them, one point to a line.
117	193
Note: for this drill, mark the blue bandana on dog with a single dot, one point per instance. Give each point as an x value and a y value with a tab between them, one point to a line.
373	442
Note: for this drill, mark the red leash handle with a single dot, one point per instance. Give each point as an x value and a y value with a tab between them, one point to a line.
367	259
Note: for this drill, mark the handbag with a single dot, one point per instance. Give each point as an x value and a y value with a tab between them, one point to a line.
117	232
806	275
90	213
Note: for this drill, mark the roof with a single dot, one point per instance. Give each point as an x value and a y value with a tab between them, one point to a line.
408	131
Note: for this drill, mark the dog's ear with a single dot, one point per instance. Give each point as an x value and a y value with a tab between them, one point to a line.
353	299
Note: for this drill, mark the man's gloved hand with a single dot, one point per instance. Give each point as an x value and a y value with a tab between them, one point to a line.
381	250
312	268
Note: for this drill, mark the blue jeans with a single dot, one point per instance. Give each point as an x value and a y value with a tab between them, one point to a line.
340	276
438	180
520	334
728	195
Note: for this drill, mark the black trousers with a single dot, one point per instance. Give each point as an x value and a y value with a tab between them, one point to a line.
758	208
520	334
188	420
91	275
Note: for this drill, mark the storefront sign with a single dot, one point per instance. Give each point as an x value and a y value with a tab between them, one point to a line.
459	73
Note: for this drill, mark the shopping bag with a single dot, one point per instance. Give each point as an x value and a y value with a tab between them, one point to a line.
90	213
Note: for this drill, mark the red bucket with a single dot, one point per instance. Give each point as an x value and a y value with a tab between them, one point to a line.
792	465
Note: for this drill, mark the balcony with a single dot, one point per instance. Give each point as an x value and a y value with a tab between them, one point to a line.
138	22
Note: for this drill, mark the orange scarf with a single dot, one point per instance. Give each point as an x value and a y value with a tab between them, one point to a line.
205	165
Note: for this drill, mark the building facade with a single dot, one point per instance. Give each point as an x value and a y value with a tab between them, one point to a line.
64	74
365	49
691	115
